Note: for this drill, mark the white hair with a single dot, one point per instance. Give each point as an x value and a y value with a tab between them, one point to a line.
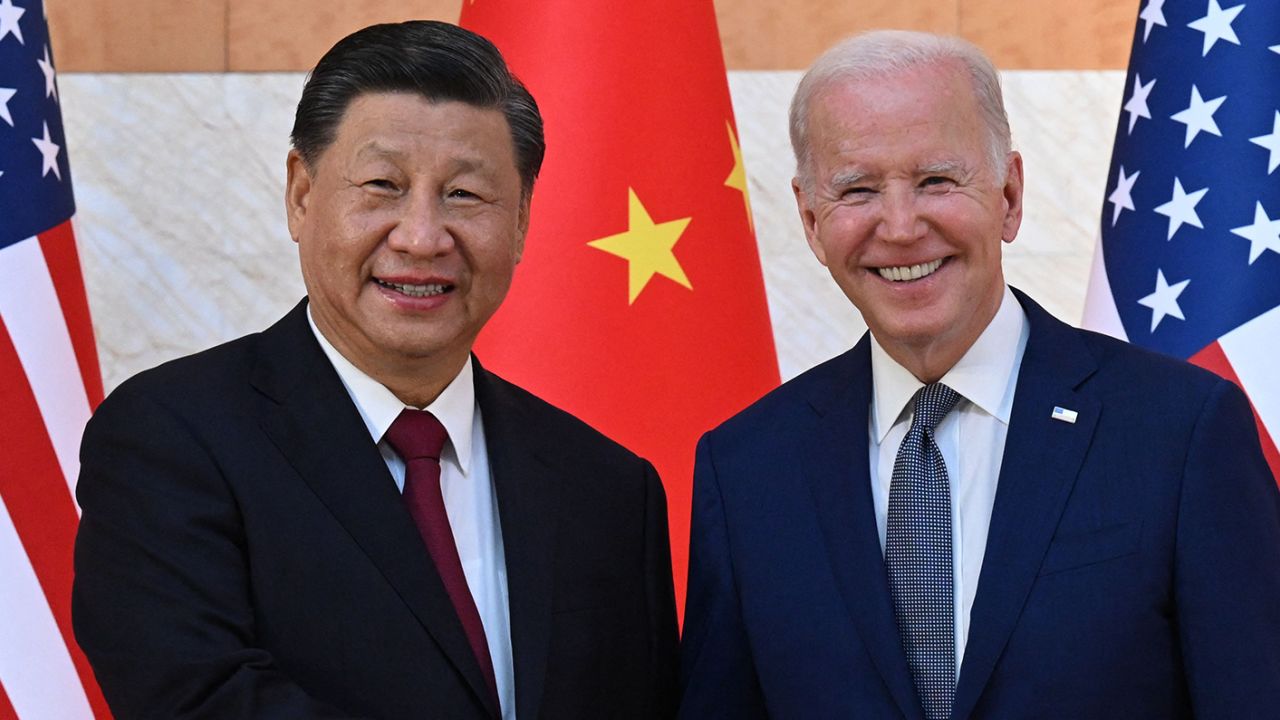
882	53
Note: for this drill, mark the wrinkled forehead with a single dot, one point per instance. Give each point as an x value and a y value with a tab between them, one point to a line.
943	84
905	102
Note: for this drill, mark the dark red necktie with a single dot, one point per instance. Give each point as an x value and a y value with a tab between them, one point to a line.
417	437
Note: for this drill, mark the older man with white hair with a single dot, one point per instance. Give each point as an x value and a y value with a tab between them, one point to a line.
978	511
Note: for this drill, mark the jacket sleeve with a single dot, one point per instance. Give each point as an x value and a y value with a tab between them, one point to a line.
161	600
717	675
1227	574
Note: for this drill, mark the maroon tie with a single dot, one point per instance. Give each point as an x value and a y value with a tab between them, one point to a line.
417	437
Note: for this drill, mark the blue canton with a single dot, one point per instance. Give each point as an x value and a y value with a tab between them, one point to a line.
35	178
1191	224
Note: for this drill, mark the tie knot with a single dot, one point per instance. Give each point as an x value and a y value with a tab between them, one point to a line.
416	434
933	402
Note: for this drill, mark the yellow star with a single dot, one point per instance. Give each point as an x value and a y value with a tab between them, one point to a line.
646	246
738	177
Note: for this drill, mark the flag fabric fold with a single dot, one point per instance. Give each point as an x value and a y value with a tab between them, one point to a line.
1189	256
639	304
49	383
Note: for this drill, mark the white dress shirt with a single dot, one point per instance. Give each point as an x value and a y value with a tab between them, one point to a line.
469	497
985	378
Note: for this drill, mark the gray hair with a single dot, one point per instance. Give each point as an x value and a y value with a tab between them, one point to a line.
881	53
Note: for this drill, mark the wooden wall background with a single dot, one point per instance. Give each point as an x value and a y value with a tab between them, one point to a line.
290	35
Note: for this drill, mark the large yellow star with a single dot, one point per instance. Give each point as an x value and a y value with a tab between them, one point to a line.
647	247
738	176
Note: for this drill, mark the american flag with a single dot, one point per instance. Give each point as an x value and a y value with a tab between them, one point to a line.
1189	262
49	381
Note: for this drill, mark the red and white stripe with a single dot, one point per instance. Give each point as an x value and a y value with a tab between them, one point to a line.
32	313
1251	350
49	382
1246	356
35	666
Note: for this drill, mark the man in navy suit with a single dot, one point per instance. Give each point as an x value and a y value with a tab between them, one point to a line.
979	511
346	515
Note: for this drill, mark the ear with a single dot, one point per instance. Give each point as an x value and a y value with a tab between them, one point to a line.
297	189
1013	186
809	220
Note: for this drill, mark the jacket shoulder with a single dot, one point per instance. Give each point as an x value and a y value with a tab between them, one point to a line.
502	396
1138	371
214	376
1120	369
818	386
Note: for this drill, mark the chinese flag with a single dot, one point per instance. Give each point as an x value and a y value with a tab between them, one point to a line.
639	305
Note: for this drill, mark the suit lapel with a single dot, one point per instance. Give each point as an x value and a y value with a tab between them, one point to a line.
316	427
839	475
522	463
1041	460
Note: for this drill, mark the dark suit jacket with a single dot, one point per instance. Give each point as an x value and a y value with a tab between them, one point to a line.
244	553
1132	568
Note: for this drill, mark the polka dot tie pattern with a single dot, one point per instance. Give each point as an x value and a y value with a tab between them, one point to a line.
918	554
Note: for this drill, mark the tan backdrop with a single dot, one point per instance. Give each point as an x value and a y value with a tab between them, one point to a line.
271	35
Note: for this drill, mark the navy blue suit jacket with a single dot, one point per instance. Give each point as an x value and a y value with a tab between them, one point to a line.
1132	568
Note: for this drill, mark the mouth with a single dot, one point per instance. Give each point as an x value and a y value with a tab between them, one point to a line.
907	273
416	290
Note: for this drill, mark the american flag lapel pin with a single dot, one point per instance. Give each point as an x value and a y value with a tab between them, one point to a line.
1065	415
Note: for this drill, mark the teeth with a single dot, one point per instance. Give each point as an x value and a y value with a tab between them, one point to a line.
415	290
913	272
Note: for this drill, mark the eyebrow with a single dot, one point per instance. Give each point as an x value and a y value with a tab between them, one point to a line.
373	147
848	177
377	149
945	167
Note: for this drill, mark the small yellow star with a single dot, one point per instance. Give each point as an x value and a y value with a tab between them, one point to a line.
738	177
646	246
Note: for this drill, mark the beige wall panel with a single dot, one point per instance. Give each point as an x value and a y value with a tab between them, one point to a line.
768	35
249	35
293	34
1051	35
139	35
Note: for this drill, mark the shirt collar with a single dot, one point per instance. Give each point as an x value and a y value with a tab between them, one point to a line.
455	407
986	375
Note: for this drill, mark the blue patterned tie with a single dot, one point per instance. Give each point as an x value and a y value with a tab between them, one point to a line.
918	554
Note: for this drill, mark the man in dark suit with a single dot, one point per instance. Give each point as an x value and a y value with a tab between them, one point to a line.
275	528
979	511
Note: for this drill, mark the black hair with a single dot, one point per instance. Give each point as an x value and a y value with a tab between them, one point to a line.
436	60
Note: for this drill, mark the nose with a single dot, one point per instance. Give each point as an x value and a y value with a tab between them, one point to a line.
900	220
422	227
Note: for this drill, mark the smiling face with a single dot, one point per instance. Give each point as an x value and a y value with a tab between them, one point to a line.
409	227
906	212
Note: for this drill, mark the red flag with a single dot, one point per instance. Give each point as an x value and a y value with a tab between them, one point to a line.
639	305
49	382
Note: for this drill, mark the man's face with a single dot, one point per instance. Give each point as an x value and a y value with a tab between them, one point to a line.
906	212
409	227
